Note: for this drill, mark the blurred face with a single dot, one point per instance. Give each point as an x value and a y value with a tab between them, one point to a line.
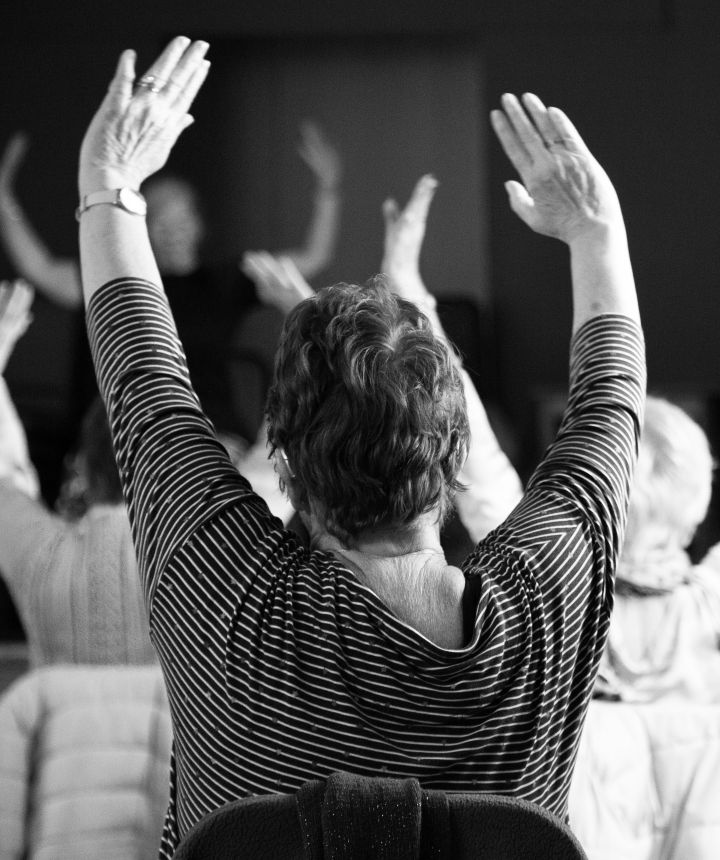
174	225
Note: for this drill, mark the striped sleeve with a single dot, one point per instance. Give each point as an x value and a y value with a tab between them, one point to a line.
567	531
592	459
174	472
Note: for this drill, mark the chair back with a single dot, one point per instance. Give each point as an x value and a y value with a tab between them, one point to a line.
379	819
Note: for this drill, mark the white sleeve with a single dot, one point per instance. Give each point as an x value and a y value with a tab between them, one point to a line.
493	485
15	465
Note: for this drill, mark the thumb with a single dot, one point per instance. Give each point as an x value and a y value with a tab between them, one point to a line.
390	211
521	202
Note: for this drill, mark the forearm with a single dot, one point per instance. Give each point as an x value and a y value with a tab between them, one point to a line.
114	244
58	278
602	275
321	239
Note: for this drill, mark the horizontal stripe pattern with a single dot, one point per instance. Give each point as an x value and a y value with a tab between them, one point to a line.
281	667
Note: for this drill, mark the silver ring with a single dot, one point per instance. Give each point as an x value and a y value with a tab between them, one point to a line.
151	83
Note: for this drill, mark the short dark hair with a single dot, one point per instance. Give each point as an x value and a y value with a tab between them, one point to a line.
96	449
368	405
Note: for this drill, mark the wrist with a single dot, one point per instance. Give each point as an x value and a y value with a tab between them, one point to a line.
125	198
106	180
410	286
597	236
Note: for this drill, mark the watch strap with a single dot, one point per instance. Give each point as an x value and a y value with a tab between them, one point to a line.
113	197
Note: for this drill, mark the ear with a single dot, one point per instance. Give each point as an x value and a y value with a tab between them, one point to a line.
295	492
298	497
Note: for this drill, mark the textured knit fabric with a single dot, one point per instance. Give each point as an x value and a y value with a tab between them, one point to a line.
75	585
282	667
84	760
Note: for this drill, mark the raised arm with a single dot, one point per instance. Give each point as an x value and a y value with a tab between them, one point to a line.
57	278
129	139
493	487
173	468
566	194
321	238
15	466
575	504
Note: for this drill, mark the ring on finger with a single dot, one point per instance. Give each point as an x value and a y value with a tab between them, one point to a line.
151	83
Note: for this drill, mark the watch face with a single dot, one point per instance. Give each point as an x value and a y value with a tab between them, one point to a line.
132	201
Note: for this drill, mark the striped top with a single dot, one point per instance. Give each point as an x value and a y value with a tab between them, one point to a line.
282	667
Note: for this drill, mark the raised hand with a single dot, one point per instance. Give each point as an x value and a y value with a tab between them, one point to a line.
404	234
277	279
15	301
16	298
319	155
564	191
138	122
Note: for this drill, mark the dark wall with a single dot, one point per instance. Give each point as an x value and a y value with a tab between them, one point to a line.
639	80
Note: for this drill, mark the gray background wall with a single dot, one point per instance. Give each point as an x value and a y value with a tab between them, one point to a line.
640	80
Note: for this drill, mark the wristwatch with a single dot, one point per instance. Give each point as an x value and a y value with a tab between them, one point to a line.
126	198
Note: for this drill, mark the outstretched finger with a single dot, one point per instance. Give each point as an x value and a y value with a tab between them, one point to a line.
294	277
186	67
120	89
510	142
162	68
258	264
419	203
541	118
566	130
520	121
390	211
187	89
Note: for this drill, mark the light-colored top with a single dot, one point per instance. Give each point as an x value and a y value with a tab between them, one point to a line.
282	667
75	585
84	760
666	644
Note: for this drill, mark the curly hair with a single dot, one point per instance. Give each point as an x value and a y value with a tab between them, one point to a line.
368	406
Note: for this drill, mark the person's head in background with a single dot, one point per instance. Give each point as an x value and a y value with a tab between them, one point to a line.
92	477
175	223
368	415
672	486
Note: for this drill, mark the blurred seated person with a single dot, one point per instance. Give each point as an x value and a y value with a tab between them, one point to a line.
365	652
84	761
75	585
207	301
664	637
